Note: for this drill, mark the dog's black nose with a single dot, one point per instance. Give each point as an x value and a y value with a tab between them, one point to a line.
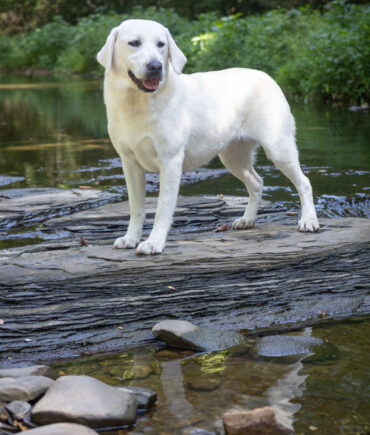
154	66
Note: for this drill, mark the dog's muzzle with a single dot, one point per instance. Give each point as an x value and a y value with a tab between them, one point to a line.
152	79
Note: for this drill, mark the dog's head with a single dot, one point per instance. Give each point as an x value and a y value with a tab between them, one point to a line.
140	51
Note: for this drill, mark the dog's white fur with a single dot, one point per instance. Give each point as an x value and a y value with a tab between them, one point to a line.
186	122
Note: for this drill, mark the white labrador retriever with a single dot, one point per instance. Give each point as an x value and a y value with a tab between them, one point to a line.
160	120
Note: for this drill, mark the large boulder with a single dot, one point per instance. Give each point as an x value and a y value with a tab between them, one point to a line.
259	421
179	333
18	372
85	400
62	429
25	388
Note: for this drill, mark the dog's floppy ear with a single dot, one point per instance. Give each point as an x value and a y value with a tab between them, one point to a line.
176	56
105	55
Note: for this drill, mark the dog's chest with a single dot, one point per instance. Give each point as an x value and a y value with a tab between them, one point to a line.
134	137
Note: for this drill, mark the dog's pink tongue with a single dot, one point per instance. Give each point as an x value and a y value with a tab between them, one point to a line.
151	84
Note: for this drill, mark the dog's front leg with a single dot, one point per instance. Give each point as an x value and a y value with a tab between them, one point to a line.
170	177
135	182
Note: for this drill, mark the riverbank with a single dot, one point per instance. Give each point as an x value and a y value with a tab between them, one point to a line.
315	54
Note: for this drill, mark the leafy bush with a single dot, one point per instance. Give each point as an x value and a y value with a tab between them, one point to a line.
307	51
333	60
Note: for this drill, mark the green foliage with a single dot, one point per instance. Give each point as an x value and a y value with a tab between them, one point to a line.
333	60
22	15
38	49
309	52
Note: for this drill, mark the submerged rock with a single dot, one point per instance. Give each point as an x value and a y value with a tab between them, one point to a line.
62	429
196	431
18	409
24	388
17	372
327	353
145	397
85	400
179	333
259	421
285	345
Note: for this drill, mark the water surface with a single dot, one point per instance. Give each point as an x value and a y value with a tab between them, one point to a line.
327	391
54	134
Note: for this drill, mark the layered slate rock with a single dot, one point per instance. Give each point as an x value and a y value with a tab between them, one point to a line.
19	206
268	277
85	400
259	421
178	333
25	388
18	372
62	429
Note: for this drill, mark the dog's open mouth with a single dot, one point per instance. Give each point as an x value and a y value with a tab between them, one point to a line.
145	85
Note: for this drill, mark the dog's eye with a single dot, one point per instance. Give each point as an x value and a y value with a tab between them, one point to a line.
135	43
160	44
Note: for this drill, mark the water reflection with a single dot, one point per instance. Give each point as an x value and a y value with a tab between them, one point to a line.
327	390
49	130
172	383
286	389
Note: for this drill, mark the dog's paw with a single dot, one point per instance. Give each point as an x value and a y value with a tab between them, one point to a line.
125	243
310	224
243	223
149	248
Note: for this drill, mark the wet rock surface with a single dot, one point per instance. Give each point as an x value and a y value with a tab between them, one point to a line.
145	397
18	409
196	431
25	388
85	400
259	421
19	207
285	345
58	298
62	429
178	333
17	372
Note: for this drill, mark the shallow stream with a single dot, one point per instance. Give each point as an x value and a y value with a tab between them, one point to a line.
53	135
324	393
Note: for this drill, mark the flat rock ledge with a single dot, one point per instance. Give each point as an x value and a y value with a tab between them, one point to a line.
59	299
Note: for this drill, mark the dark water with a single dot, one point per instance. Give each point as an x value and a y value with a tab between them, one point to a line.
53	134
327	391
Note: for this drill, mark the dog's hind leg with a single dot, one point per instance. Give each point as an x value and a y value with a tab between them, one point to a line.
238	159
284	155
